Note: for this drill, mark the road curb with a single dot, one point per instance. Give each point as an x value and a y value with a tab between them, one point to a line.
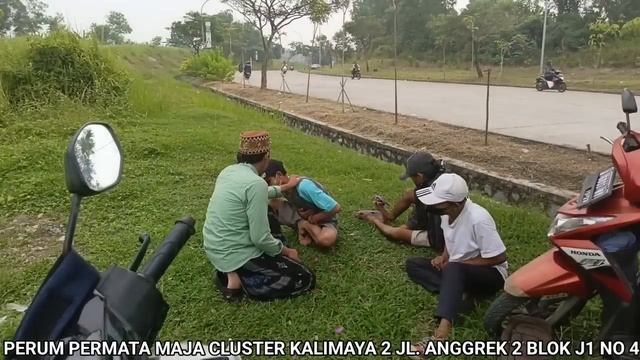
498	187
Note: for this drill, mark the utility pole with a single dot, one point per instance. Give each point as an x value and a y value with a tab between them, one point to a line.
320	48
473	40
486	124
395	56
544	35
202	20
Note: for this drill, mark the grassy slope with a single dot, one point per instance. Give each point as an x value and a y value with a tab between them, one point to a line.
172	153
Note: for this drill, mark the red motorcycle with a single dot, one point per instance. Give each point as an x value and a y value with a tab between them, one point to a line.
595	238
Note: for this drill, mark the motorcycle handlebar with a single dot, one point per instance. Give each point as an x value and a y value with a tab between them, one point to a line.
169	249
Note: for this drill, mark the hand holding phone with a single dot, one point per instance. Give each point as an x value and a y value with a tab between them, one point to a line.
378	199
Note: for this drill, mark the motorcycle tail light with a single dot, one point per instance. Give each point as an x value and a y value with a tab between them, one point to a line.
563	223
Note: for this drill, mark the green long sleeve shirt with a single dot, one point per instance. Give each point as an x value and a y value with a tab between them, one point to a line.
236	228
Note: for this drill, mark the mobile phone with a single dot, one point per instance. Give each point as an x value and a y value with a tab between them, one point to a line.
380	199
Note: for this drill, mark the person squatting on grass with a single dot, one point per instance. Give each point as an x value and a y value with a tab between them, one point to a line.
474	261
423	226
309	208
236	232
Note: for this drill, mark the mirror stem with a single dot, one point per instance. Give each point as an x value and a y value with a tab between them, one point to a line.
628	124
71	227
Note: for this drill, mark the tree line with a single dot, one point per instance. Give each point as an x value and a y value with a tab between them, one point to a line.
28	17
495	31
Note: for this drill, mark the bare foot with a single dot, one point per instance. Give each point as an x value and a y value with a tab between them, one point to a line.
370	216
303	236
304	240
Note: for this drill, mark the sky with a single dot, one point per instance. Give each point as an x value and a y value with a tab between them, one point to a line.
150	18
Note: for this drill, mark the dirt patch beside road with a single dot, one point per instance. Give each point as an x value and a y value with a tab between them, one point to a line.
523	159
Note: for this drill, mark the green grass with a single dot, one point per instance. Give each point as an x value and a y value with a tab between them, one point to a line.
578	78
175	144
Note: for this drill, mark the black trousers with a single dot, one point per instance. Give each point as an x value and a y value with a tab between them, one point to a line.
274	226
453	282
268	278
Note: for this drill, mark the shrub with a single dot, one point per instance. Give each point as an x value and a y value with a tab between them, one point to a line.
210	65
63	65
631	29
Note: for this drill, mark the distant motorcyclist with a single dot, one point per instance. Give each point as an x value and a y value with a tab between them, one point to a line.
355	71
550	73
551	78
247	70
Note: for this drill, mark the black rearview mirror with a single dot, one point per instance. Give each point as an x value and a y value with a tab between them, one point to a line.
629	105
93	162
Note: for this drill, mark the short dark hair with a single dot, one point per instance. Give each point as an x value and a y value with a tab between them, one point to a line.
250	159
274	167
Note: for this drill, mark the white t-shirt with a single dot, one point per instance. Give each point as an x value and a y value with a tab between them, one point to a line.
473	234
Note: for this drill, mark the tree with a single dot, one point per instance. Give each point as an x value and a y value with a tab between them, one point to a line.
413	16
470	23
618	10
300	48
118	26
102	33
269	17
113	31
448	30
156	41
504	47
631	29
365	33
343	41
22	17
601	32
569	7
187	33
55	22
521	47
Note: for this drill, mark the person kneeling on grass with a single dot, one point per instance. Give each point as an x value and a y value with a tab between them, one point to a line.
309	209
236	231
474	261
423	227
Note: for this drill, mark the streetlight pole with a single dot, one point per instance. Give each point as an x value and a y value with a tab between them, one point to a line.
395	57
544	35
230	48
202	21
319	47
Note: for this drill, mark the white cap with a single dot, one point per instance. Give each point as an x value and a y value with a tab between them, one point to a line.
447	187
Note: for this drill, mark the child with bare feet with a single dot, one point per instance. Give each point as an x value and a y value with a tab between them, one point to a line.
308	208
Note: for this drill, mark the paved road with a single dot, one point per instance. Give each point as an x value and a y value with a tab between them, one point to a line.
572	118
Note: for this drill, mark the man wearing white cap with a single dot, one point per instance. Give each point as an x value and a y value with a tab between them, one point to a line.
474	260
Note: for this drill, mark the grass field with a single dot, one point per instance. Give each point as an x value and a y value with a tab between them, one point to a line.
175	141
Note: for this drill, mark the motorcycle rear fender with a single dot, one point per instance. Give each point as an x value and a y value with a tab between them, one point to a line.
551	273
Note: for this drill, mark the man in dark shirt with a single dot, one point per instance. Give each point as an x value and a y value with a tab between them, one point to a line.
423	227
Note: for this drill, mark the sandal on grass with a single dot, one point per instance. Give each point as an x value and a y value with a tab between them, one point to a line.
420	347
362	214
231	295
